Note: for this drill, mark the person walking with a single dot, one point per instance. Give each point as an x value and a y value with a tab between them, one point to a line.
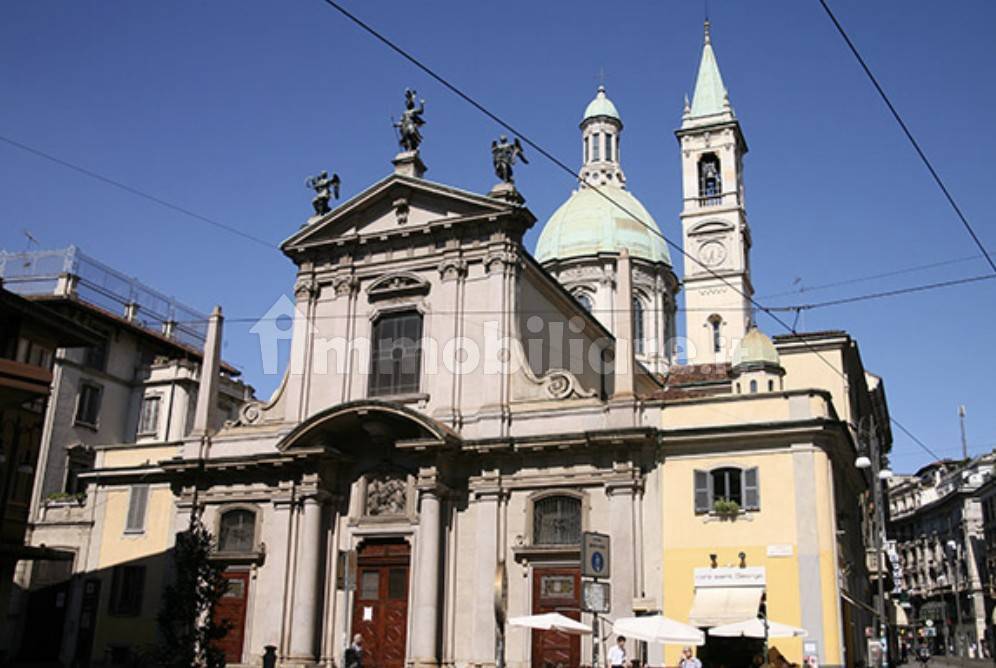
354	653
617	653
688	660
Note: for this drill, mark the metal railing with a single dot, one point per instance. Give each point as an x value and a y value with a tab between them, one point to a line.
69	272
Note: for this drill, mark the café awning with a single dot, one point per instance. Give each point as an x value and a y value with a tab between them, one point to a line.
715	606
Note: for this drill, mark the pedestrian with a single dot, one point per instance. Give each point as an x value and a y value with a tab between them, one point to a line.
687	660
354	653
617	654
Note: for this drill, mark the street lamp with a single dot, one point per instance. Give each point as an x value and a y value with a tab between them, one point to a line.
870	457
952	549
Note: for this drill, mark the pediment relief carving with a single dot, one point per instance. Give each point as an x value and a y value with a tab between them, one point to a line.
394	285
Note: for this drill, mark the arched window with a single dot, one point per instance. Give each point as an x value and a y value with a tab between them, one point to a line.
584	300
753	387
638	326
717	341
710	181
557	520
237	532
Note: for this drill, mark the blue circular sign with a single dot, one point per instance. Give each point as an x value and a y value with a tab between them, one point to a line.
597	562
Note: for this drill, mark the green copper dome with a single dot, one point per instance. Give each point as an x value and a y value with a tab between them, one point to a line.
756	350
601	106
588	224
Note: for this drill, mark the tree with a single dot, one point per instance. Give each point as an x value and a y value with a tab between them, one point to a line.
188	630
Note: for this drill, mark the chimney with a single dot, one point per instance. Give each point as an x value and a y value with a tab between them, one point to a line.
622	318
207	392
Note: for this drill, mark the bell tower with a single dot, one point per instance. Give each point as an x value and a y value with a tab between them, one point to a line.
713	219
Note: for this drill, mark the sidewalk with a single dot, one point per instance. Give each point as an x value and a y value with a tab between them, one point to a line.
953	662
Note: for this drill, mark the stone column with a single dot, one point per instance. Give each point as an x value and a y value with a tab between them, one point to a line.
425	622
621	528
487	505
304	619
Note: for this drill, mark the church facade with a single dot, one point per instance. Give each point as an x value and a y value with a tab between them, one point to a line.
457	411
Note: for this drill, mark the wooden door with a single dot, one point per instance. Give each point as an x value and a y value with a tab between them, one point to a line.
380	604
556	590
232	608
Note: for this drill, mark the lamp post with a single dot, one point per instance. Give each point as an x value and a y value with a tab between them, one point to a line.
952	549
871	457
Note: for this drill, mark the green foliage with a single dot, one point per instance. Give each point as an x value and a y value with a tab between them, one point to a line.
188	630
78	497
726	507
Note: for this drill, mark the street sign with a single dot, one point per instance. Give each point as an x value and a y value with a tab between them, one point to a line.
596	597
595	555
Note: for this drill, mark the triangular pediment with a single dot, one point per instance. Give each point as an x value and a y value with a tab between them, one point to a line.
392	205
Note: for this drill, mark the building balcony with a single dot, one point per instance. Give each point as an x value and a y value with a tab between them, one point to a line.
20	382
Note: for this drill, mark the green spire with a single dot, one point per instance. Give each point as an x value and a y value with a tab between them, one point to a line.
710	93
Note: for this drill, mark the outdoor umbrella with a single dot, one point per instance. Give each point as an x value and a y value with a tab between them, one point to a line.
551	621
658	629
754	628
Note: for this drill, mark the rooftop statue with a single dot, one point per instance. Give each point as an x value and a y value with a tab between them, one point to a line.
503	156
411	121
325	189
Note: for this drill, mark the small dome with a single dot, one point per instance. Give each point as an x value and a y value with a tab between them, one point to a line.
755	351
601	106
588	224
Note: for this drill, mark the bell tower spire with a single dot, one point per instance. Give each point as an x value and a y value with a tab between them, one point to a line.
714	218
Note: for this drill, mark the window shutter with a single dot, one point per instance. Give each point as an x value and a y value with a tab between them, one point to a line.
752	490
137	503
703	493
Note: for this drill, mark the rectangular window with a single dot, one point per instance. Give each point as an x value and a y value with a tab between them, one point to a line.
127	587
596	140
586	152
138	502
741	486
88	405
608	147
396	354
149	421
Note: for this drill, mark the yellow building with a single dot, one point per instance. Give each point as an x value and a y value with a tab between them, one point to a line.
763	499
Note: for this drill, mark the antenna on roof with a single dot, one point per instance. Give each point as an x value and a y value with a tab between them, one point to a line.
964	439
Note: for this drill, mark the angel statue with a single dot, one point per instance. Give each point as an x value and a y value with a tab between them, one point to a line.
503	156
325	189
411	121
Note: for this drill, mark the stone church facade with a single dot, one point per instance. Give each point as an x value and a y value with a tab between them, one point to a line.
456	412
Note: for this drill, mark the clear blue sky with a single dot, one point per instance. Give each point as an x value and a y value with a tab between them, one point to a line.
225	107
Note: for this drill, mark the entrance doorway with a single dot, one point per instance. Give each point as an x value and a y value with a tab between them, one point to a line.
380	607
556	590
232	608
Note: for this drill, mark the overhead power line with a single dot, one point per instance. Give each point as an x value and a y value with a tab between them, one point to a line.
135	191
909	135
869	277
556	161
891	293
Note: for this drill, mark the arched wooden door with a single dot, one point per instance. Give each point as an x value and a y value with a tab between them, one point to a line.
380	604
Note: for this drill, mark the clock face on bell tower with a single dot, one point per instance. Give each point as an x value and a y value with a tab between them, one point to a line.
712	253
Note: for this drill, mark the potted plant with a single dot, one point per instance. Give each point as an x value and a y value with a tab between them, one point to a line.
726	508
